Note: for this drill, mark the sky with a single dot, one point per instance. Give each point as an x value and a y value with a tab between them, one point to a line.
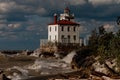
24	22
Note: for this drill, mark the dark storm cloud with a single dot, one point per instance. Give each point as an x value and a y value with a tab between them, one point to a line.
102	12
26	20
16	18
103	9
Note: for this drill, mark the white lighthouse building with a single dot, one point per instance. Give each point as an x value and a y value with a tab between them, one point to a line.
65	32
64	29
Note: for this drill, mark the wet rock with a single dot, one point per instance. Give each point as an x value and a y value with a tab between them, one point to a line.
83	58
86	62
3	76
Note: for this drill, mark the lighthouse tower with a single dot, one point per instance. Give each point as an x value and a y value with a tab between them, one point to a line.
66	15
64	29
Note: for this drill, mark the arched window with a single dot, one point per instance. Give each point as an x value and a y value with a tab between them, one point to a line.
68	38
50	29
74	37
62	28
62	37
74	29
68	28
55	28
50	37
55	37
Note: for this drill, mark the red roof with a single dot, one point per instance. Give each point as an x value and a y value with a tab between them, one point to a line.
67	9
64	22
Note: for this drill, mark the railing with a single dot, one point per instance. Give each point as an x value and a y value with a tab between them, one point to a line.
43	42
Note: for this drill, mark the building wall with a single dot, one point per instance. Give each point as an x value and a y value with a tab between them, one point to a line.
52	33
55	35
67	33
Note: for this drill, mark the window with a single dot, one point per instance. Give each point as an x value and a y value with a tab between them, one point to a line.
68	28
50	29
55	37
74	37
62	28
74	29
68	38
50	37
62	37
55	28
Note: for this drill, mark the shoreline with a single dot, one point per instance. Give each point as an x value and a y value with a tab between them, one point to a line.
67	75
80	74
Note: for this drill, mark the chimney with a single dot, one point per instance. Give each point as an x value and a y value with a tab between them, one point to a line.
55	18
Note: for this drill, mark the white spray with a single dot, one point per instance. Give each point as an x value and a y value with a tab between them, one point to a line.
69	57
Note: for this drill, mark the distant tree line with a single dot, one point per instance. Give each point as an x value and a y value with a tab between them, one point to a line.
14	51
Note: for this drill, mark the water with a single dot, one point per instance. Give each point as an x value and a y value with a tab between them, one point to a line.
50	66
46	67
53	66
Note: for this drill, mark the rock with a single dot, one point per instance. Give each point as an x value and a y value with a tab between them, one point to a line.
2	56
3	77
100	68
24	52
74	66
79	62
106	78
83	58
93	77
112	65
36	53
108	69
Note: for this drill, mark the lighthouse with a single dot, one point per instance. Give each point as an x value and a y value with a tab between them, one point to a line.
64	29
63	35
